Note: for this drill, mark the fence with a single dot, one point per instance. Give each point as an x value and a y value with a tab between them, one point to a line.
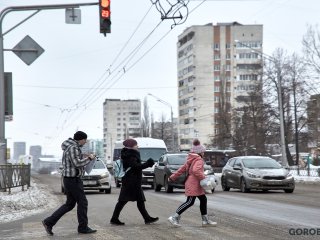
14	176
311	172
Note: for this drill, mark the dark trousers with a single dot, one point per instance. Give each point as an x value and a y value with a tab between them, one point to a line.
190	201
75	195
140	204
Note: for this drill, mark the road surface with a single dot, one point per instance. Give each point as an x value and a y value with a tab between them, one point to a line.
256	215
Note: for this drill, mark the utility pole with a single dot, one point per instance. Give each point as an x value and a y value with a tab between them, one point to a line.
3	13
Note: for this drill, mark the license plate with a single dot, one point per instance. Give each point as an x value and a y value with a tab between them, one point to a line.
149	180
89	182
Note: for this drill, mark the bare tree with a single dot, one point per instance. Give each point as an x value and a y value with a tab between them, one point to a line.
146	119
222	139
290	71
311	48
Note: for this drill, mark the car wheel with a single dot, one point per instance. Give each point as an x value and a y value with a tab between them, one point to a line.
107	191
167	187
243	186
101	190
288	190
224	185
156	186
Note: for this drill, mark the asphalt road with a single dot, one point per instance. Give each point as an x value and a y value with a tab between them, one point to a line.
256	215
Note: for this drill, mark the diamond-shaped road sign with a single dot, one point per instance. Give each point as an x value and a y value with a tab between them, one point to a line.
28	50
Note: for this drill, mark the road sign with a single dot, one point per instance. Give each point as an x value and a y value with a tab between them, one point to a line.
73	16
8	108
28	50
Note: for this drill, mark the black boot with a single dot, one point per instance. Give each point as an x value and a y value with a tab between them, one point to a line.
115	221
150	220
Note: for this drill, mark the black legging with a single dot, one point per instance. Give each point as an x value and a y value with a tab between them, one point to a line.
190	201
140	204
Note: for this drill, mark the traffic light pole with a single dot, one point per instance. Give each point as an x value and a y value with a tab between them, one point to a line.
3	13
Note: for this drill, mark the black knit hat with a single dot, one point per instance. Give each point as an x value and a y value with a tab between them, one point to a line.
79	136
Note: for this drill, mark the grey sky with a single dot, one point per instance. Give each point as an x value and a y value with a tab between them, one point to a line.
49	95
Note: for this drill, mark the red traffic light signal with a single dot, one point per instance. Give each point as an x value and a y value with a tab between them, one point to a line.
104	15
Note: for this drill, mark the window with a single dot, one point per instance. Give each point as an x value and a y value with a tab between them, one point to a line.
217	77
216	46
228	56
216	67
216	110
216	88
216	57
216	99
228	67
228	45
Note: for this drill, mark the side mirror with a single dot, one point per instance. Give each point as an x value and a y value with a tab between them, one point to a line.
237	167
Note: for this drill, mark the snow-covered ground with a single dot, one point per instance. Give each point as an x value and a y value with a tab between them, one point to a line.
20	204
37	198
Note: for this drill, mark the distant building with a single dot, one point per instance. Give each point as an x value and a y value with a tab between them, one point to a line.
35	151
121	120
216	64
313	112
19	148
94	146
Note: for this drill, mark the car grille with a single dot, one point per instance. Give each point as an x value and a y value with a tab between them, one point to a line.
274	177
96	177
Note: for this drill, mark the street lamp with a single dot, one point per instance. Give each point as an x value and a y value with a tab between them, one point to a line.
169	105
279	79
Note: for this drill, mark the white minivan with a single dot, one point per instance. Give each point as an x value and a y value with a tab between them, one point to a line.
148	148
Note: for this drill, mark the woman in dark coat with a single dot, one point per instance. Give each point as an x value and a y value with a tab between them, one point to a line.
131	189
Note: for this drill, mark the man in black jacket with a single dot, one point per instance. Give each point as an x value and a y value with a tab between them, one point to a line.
73	168
131	189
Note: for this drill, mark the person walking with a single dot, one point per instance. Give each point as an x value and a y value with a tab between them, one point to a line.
73	164
131	189
194	166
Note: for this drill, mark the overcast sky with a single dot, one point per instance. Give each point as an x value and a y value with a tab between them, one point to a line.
54	96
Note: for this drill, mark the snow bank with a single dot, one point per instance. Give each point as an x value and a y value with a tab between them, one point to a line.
20	204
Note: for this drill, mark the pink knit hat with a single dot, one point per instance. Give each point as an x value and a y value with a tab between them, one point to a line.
197	147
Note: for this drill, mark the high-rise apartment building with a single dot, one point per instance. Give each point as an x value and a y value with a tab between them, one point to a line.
35	151
19	148
121	120
216	65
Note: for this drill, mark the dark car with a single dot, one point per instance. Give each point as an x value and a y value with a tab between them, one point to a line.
168	164
256	172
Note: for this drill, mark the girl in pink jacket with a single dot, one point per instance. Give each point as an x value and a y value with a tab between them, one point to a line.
193	190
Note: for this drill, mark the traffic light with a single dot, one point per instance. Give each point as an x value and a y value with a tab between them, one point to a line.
105	16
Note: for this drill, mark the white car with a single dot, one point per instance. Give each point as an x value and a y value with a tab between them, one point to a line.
98	179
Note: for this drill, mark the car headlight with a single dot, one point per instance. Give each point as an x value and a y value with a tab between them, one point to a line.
104	175
289	176
207	172
252	175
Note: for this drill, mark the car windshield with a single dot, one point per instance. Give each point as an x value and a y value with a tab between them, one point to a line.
154	153
177	159
98	165
261	163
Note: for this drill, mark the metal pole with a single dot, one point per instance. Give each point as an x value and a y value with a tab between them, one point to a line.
282	133
3	13
172	131
3	146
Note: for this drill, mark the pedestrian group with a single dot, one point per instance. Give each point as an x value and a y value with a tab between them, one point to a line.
74	162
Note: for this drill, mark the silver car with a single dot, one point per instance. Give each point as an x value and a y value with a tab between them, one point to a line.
256	172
